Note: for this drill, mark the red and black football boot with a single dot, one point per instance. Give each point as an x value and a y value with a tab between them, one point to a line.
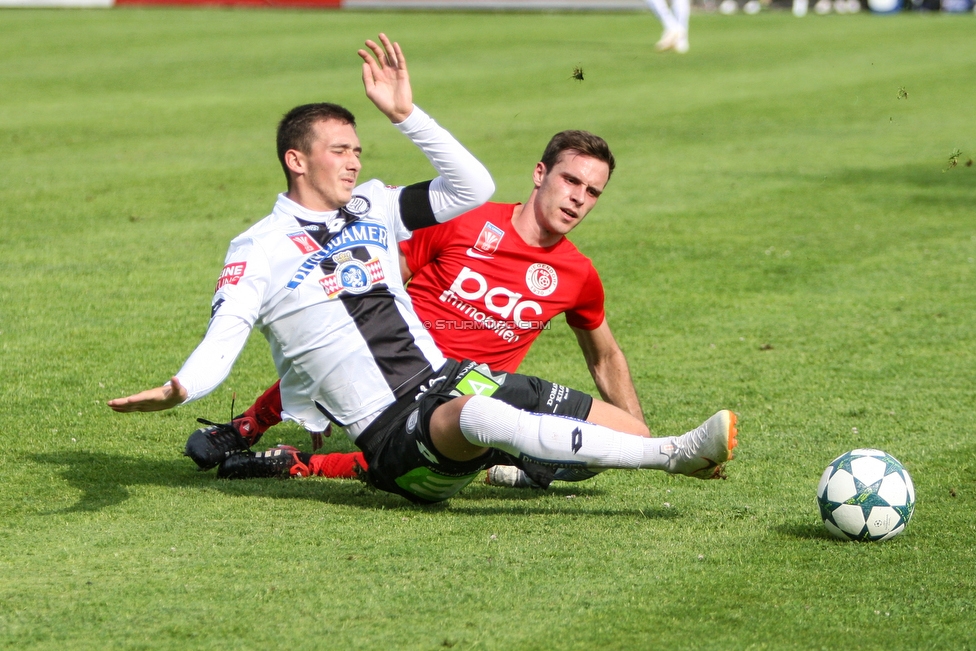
283	461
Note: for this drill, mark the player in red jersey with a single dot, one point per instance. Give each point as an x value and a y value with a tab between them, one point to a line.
487	283
486	293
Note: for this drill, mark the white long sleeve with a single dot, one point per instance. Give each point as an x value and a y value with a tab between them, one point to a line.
463	182
211	361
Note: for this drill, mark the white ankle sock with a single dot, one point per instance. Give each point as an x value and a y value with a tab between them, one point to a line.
556	440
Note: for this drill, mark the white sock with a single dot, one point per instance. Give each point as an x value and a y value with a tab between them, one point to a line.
557	441
660	7
682	10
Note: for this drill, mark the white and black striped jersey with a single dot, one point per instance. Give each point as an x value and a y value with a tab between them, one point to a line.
326	292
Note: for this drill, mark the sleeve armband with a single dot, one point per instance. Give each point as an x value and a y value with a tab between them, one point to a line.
415	209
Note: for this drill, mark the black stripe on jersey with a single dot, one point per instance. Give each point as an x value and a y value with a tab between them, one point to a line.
415	210
388	337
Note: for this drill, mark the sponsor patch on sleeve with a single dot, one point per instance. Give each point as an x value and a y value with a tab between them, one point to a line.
231	274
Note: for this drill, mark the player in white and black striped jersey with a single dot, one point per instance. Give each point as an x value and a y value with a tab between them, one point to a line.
320	278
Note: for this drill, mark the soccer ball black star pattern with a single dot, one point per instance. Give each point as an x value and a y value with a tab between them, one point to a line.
866	495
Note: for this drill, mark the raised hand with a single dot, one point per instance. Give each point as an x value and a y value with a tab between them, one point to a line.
386	80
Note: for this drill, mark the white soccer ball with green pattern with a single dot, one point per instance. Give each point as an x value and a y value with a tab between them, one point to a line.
866	495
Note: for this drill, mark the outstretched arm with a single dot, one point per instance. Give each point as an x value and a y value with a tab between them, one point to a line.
203	371
609	369
167	396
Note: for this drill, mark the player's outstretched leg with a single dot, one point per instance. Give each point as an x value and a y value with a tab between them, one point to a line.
567	443
286	461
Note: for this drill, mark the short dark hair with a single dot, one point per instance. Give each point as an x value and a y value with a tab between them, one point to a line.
583	143
296	129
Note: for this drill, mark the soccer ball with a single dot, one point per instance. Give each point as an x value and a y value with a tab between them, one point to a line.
866	495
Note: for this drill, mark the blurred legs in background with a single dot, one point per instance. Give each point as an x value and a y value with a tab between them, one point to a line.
675	22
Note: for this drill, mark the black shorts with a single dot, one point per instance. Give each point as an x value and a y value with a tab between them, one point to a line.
398	448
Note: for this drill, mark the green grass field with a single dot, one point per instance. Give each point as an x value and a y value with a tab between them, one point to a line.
784	236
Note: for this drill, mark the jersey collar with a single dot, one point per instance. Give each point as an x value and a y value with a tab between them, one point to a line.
334	220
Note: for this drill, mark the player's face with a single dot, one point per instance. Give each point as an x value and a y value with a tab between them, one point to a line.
567	192
332	165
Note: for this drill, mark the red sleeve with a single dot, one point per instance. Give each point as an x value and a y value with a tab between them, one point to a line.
425	243
588	313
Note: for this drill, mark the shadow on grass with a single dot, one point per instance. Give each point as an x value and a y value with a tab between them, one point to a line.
104	481
805	530
560	498
458	506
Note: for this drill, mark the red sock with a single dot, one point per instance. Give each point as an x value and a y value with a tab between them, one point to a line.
338	465
266	410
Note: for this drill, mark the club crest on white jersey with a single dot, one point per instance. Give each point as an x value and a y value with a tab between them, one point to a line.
358	206
352	276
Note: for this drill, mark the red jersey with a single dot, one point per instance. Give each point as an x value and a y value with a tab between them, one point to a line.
484	294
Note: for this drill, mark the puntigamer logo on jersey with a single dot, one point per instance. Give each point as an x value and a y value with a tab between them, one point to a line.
358	234
231	274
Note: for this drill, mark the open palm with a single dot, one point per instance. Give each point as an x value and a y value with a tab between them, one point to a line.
386	80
